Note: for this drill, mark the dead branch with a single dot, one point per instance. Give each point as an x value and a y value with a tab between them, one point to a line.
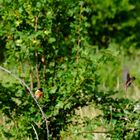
32	95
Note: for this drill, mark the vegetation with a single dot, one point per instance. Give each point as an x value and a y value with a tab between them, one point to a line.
76	51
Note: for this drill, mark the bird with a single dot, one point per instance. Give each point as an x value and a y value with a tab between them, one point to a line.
39	93
129	80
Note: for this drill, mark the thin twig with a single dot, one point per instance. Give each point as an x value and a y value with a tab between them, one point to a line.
32	95
31	80
36	55
36	70
93	132
35	132
44	67
78	32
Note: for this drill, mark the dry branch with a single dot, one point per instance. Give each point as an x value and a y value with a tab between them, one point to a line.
32	95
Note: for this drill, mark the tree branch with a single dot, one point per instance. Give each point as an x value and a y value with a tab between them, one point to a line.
32	95
35	132
36	55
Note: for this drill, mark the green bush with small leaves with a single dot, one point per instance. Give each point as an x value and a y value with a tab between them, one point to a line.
76	51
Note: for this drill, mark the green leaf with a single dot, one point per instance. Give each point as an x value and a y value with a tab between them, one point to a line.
51	40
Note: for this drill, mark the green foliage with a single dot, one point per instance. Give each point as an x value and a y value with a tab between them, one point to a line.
75	51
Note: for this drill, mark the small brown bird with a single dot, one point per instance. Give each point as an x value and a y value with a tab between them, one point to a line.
39	93
129	81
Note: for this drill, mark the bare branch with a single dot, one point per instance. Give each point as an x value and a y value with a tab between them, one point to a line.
32	95
35	132
36	55
31	80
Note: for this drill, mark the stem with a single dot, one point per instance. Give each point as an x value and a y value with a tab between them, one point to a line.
36	56
31	77
32	95
35	132
79	40
31	80
44	67
36	70
94	132
36	23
